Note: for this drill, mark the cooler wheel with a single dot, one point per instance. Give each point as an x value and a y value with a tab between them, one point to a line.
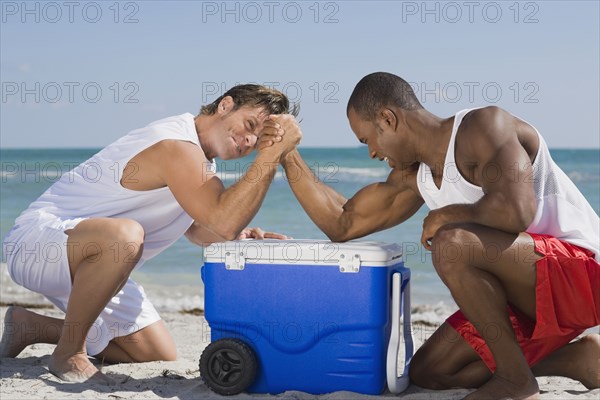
228	366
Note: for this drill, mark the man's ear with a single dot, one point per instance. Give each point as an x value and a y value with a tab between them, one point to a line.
386	119
226	105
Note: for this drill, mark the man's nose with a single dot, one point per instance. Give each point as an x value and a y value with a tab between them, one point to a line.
251	140
372	152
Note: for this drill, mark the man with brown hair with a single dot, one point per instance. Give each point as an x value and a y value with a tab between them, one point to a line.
511	236
149	188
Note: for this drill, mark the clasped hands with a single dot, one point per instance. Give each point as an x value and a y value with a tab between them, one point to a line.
281	134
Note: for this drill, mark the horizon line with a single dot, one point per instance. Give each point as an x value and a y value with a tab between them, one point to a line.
303	147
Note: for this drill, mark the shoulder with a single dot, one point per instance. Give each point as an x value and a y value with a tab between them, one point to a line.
484	131
182	161
175	121
180	155
487	124
178	147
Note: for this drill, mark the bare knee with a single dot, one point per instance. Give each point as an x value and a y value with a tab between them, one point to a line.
121	246
452	248
164	353
128	231
167	355
423	373
418	370
591	343
114	243
152	343
126	242
120	350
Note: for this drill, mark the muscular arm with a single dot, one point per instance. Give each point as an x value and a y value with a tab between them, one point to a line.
201	236
224	212
504	172
376	207
220	213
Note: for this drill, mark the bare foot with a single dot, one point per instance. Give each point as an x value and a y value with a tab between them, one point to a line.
14	338
499	388
76	368
587	369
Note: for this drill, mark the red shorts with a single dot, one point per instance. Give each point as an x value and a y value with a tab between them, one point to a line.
567	298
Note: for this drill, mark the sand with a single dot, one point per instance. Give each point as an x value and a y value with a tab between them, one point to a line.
27	377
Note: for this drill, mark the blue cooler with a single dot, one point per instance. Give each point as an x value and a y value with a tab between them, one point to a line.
313	316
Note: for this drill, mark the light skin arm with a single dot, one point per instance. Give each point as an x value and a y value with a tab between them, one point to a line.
504	172
222	213
375	207
201	236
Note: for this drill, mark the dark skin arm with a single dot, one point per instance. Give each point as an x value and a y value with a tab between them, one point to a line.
491	149
374	208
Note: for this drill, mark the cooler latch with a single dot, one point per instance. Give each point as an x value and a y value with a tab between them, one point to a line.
235	260
349	263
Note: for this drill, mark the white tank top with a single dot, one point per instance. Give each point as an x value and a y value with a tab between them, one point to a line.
93	188
562	210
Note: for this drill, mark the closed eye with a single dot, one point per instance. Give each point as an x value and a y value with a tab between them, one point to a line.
251	126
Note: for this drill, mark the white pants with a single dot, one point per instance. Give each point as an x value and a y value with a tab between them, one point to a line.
36	256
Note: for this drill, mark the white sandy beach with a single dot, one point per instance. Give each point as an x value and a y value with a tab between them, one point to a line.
27	377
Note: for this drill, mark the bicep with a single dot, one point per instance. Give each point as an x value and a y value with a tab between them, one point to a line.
380	206
504	167
188	175
508	172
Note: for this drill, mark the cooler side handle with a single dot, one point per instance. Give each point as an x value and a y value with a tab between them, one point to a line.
398	384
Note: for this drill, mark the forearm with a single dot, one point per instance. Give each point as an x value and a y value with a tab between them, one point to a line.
323	205
201	236
490	211
237	205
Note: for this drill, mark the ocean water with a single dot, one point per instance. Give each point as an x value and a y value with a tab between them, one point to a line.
172	279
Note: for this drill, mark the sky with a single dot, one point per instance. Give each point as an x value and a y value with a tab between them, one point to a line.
82	74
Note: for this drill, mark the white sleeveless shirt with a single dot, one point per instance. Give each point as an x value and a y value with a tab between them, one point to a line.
93	189
562	210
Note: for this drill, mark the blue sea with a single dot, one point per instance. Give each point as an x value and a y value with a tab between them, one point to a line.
172	279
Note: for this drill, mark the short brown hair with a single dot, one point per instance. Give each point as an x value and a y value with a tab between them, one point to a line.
251	95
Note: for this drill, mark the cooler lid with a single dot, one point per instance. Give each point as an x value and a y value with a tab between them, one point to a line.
305	251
